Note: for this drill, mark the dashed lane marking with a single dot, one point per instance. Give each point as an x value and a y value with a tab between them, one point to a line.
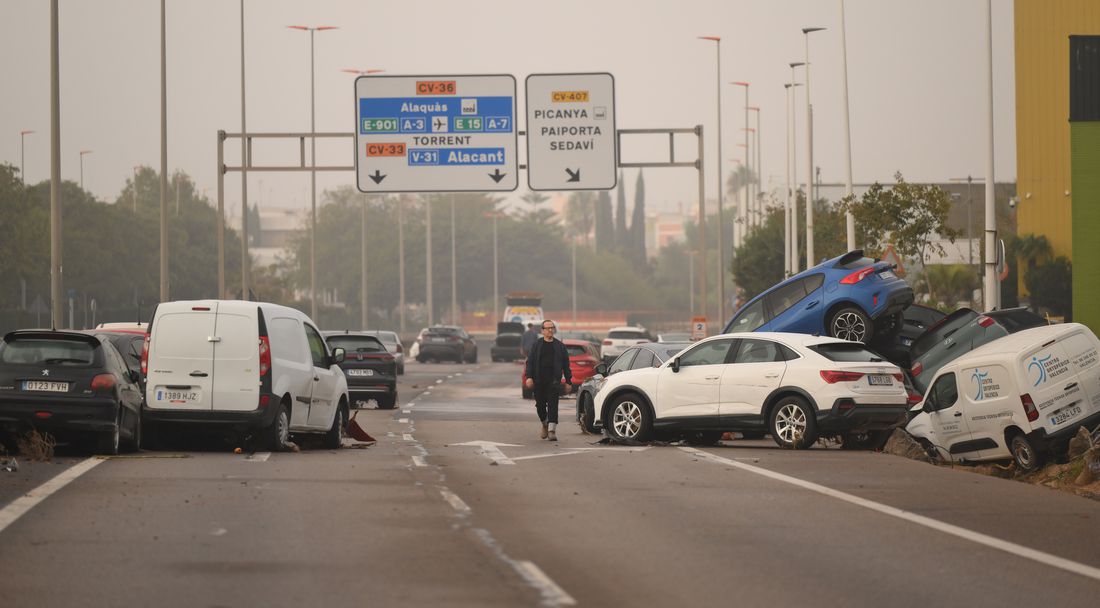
403	420
258	457
552	594
419	461
407	437
455	502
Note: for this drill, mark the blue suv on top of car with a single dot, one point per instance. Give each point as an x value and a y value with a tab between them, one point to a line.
851	297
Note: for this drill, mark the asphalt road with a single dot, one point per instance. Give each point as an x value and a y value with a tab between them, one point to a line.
461	504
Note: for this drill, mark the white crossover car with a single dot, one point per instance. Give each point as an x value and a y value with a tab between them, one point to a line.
794	386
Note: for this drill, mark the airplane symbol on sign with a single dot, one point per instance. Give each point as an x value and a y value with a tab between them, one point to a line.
439	124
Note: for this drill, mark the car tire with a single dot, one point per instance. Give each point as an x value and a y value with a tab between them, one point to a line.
702	438
275	436
851	323
1027	456
107	443
134	443
628	418
401	370
387	402
792	423
335	435
587	412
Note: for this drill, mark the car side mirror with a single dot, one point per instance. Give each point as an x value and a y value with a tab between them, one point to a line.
338	355
675	365
601	369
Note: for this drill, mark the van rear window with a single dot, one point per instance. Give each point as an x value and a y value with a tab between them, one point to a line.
855	353
627	335
356	344
43	351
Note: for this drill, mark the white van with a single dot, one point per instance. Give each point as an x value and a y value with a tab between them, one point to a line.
1021	396
250	367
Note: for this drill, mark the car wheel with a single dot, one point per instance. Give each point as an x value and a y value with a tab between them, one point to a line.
629	419
134	444
851	323
275	437
388	402
703	438
335	435
106	443
793	424
1025	454
401	370
474	358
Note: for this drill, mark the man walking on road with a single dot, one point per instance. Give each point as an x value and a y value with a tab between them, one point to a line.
547	361
529	338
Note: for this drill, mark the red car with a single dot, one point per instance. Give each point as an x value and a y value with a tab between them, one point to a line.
583	358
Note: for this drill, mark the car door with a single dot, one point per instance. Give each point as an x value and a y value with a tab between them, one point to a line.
948	420
755	370
129	391
322	402
693	389
784	304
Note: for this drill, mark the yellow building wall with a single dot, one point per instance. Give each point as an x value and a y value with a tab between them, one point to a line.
1042	30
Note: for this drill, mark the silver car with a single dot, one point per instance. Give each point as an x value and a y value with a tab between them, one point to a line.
392	342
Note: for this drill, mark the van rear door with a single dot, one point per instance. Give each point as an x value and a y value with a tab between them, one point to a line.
236	385
181	358
1082	348
1050	380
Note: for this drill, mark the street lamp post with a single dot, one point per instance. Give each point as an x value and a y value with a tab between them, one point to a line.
496	269
22	157
82	153
992	292
428	260
750	220
721	196
691	282
312	166
246	265
739	226
756	162
163	155
573	249
363	263
454	267
792	157
56	313
806	31
401	262
849	219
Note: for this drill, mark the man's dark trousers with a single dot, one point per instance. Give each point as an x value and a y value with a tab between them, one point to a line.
546	401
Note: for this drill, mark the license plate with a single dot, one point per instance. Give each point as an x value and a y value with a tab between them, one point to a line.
879	380
41	385
178	396
1065	414
906	341
438	340
887	274
360	372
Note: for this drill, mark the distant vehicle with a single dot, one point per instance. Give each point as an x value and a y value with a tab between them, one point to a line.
130	342
72	385
954	338
916	320
792	386
393	345
134	325
580	335
850	297
674	337
506	346
251	367
370	369
583	358
1021	396
523	307
620	338
446	342
651	354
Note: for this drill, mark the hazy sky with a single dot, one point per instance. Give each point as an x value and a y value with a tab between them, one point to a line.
916	71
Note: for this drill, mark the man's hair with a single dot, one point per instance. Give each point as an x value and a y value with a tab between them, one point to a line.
553	324
530	326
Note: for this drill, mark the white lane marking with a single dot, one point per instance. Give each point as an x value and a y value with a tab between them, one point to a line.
552	594
403	420
568	451
491	450
406	411
259	457
407	437
550	455
455	502
219	532
440	381
450	376
459	374
970	535
25	503
390	434
419	461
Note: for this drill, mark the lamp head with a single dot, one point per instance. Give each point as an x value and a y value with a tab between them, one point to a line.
810	30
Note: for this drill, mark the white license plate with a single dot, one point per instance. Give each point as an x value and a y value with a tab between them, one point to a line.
178	396
879	380
438	340
41	385
906	341
887	274
360	372
1065	414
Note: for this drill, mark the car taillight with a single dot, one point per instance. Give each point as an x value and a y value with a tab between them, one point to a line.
917	369
103	382
454	338
607	342
145	356
913	399
388	359
400	348
857	276
1029	407
985	321
265	355
833	376
900	377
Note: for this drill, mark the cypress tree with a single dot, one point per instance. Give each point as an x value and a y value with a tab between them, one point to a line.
637	223
605	223
622	239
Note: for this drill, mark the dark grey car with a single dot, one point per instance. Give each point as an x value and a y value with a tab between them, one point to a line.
651	354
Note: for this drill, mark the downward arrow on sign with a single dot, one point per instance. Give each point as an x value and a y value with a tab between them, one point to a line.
497	175
377	177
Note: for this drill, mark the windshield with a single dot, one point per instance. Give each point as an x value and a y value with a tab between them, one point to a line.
849	353
956	345
357	344
627	335
575	351
47	352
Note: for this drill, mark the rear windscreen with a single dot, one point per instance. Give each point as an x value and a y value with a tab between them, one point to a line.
855	353
576	351
958	344
356	344
39	351
443	331
627	335
1018	320
860	263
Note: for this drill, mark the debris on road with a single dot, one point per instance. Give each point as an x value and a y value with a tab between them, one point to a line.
902	444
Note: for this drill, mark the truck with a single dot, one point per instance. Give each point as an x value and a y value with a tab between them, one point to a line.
523	307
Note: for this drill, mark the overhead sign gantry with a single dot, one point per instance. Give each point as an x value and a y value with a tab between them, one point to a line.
436	134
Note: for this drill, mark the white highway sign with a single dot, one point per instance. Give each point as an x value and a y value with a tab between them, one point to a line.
571	143
435	133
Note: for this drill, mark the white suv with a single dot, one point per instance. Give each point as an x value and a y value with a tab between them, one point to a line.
794	386
621	338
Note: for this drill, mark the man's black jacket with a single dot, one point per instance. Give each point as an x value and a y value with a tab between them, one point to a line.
561	363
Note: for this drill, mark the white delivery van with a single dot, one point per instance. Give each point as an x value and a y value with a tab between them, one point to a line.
250	367
1022	396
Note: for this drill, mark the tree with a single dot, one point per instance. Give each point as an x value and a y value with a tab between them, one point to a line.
759	261
605	222
637	224
536	214
948	283
737	179
580	213
1051	286
621	239
905	215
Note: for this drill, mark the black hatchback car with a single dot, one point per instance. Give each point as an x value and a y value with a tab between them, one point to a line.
72	385
371	370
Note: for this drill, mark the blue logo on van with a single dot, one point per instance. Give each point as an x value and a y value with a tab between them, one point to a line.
978	376
1039	364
